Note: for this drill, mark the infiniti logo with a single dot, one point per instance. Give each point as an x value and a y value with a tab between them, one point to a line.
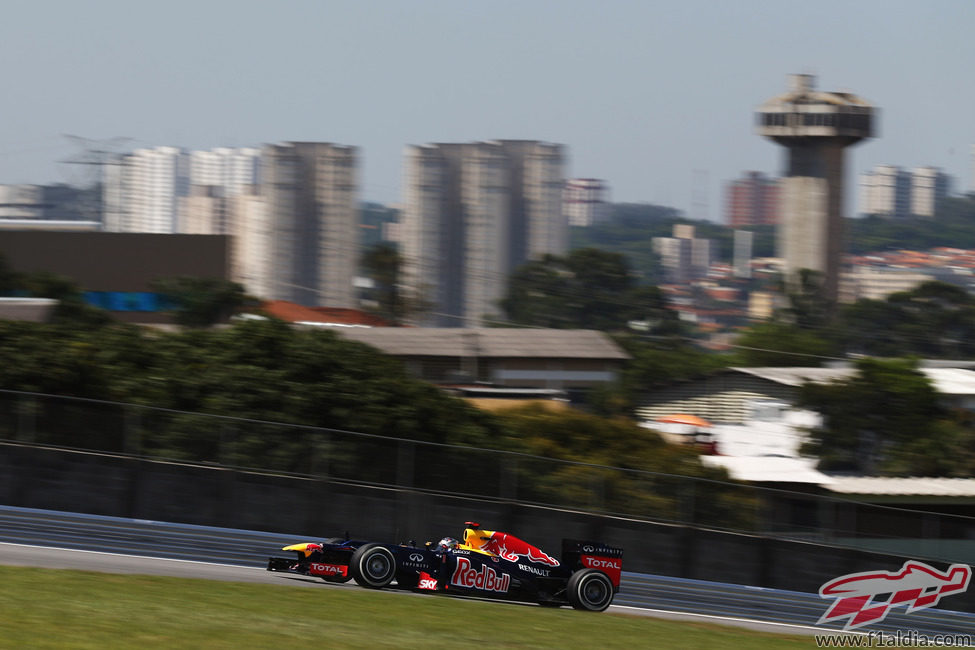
416	557
588	549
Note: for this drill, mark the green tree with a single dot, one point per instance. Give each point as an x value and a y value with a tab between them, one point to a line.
384	265
886	420
588	289
618	442
201	302
809	307
953	225
265	372
656	361
631	227
934	320
71	308
781	344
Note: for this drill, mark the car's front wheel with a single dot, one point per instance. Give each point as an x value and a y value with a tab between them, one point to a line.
590	590
373	566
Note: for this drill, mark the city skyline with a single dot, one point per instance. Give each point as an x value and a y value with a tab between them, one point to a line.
657	98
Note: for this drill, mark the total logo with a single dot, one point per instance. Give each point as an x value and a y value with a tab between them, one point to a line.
487	578
319	569
601	563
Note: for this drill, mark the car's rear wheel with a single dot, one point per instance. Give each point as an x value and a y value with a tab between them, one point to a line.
590	590
373	566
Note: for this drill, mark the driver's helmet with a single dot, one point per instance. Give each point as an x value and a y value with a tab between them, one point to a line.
447	543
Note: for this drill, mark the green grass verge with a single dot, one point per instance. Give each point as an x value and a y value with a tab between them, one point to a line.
75	609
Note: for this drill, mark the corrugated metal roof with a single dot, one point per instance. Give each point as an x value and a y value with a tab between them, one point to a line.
947	381
488	342
797	376
770	469
910	486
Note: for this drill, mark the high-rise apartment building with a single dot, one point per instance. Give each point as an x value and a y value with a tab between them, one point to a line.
929	186
473	212
310	224
233	171
45	202
892	192
684	257
752	200
142	192
146	190
742	259
886	192
586	201
250	252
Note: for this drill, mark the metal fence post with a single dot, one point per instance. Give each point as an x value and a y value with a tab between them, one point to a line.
687	497
509	477
26	419
597	497
827	519
320	455
228	444
931	530
404	464
133	431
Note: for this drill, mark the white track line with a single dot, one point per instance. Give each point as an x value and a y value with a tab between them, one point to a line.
733	619
138	557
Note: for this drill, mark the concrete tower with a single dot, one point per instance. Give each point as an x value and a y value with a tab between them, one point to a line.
815	127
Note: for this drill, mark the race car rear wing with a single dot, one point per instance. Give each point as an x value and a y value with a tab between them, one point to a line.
578	554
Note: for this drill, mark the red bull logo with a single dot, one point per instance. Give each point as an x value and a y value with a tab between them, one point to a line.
487	578
512	549
916	585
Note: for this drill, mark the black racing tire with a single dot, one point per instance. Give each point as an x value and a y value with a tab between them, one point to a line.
373	566
590	590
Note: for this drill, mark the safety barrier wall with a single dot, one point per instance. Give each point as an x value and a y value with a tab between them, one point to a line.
140	489
214	453
643	590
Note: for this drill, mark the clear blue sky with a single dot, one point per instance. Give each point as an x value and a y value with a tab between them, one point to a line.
656	97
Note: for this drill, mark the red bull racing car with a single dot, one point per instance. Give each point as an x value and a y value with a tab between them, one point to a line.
485	564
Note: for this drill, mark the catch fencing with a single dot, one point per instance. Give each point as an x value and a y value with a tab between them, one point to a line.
329	455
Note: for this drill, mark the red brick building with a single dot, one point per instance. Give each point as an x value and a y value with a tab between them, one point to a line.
752	201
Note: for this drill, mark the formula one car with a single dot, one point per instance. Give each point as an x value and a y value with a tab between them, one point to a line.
486	564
